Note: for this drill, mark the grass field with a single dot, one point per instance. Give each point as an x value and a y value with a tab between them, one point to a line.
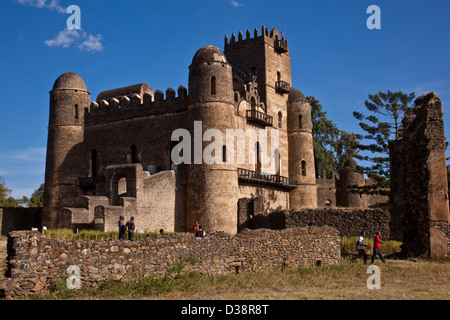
400	280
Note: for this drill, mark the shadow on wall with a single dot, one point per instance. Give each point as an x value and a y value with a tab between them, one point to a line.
13	219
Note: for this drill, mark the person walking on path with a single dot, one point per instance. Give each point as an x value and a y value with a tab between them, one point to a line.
131	225
377	247
361	248
122	228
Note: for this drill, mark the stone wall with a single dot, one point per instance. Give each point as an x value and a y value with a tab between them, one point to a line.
349	221
35	262
19	219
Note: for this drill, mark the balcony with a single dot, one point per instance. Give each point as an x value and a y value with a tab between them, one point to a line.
90	182
282	86
260	118
281	46
266	179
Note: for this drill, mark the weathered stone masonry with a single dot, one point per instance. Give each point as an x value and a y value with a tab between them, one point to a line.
34	262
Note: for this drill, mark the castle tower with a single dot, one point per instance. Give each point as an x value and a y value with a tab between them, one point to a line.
301	152
212	189
266	57
349	177
68	100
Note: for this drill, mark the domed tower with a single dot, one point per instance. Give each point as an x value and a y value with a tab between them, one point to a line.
349	177
68	100
301	152
212	190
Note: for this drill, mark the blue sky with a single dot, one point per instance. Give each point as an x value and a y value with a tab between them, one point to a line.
334	56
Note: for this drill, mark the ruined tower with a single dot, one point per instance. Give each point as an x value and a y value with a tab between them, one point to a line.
69	100
211	186
419	186
301	152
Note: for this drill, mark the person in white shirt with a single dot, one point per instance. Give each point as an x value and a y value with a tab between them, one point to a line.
361	248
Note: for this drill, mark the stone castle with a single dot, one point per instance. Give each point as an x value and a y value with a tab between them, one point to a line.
113	156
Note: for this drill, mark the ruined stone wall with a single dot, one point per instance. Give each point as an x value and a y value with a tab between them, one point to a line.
419	187
35	262
349	221
12	219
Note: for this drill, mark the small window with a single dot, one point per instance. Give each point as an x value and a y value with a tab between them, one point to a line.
224	154
300	122
304	168
213	85
280	120
76	112
134	154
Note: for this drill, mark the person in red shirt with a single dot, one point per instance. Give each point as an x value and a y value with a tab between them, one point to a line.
377	247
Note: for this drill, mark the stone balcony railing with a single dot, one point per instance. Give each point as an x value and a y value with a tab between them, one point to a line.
260	118
268	179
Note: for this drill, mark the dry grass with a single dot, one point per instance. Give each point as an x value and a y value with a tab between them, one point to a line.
400	279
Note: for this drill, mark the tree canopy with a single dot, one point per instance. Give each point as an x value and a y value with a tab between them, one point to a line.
332	146
391	106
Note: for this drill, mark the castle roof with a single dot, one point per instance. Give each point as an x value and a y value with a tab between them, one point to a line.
296	95
139	89
69	81
209	53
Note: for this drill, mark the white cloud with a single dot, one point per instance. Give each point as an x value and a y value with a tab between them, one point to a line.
67	37
47	4
236	4
92	43
64	39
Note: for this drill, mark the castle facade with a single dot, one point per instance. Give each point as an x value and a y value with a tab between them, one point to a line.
114	156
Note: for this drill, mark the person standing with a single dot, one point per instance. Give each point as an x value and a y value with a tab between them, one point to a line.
131	226
377	248
122	228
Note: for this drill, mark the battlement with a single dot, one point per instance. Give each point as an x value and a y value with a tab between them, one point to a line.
135	106
272	38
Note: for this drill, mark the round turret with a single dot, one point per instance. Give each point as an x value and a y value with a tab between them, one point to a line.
69	99
69	81
301	151
210	76
211	186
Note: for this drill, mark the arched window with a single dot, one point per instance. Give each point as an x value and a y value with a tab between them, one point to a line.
76	112
278	76
213	85
280	120
300	122
134	154
277	162
253	103
258	158
304	168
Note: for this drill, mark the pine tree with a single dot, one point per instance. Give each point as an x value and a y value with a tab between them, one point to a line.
391	106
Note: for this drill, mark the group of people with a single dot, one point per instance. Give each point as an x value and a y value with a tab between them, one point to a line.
376	248
129	227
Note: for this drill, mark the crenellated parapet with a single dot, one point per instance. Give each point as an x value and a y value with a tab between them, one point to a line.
135	105
272	38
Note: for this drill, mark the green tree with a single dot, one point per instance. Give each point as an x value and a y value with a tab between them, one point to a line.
332	146
37	198
6	200
391	106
